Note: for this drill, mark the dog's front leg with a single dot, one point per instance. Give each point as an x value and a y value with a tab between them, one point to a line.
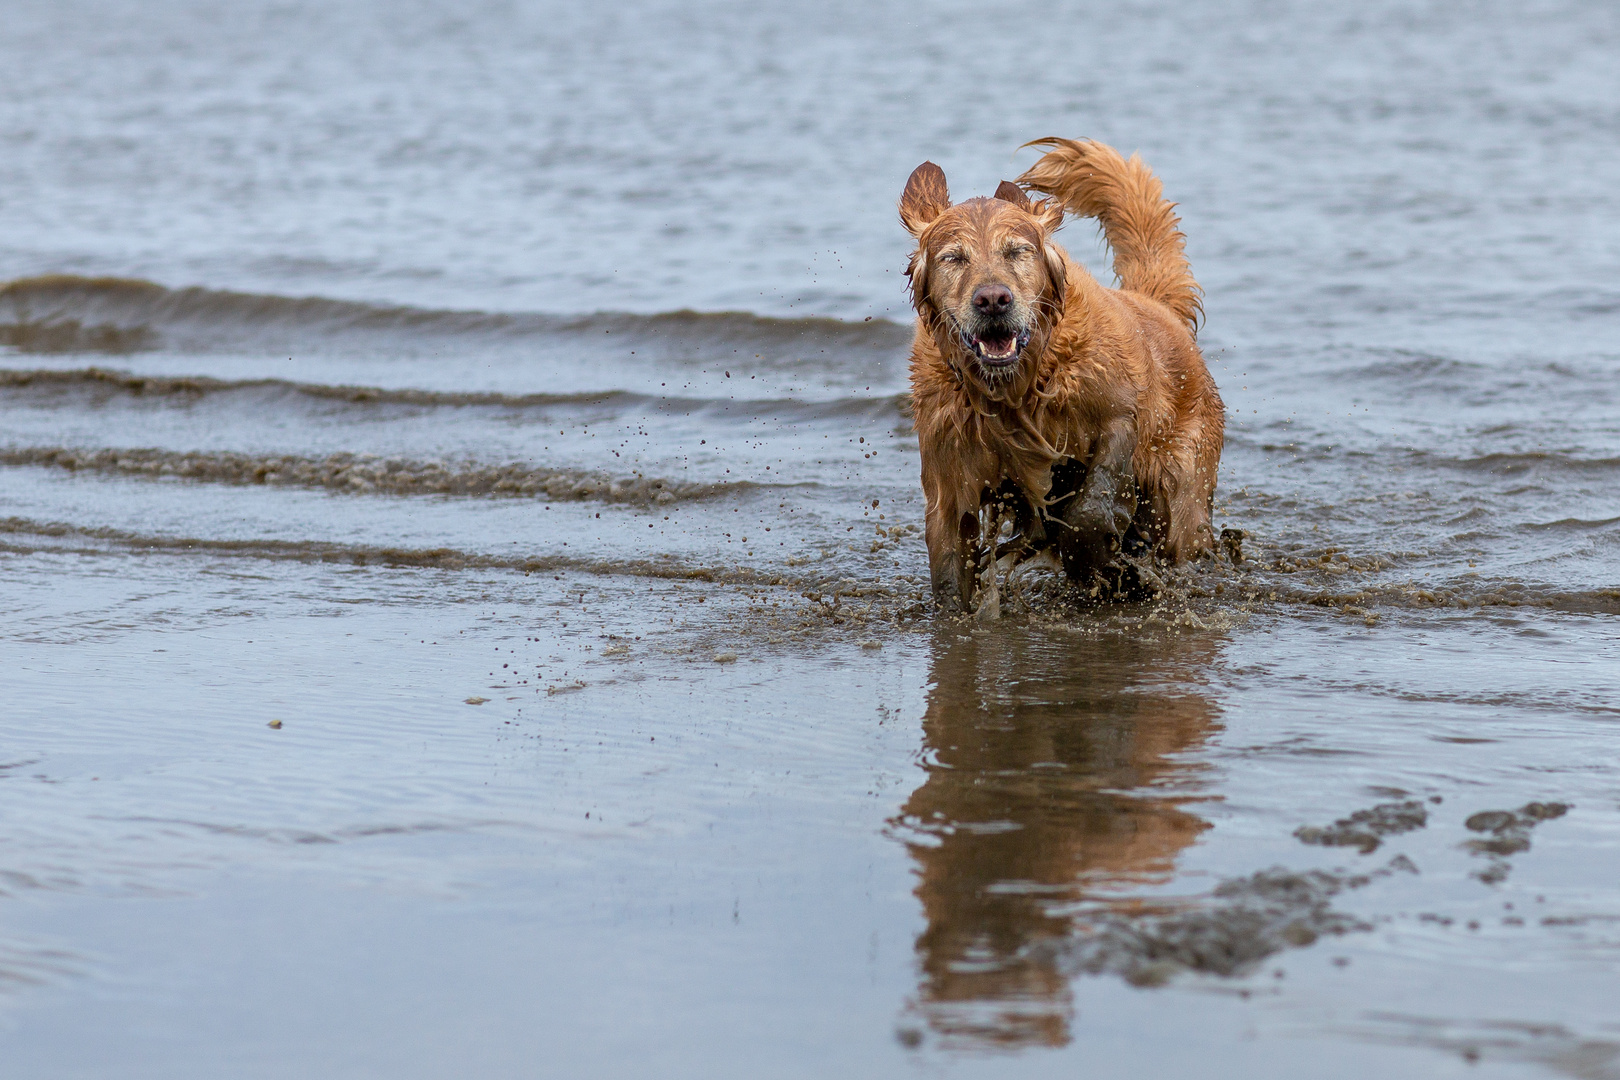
953	487
1102	510
954	561
944	557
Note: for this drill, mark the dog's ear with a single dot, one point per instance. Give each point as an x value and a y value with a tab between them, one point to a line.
1009	192
1048	213
917	271
925	198
1057	271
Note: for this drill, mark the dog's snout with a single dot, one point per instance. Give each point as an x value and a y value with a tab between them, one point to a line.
992	299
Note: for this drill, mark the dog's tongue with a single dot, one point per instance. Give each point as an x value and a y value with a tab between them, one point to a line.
997	346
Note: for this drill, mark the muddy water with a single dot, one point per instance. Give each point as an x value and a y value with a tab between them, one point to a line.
464	603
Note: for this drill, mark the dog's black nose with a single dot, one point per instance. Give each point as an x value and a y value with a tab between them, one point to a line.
992	299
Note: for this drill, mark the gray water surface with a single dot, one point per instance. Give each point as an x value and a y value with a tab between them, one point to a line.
506	402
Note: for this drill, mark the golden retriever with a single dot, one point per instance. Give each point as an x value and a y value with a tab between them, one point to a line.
1081	418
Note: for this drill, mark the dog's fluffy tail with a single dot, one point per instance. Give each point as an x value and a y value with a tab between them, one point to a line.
1091	179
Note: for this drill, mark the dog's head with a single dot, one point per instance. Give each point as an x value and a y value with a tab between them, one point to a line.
985	276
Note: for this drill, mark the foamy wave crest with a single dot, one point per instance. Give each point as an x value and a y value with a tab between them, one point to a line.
67	313
363	474
103	382
26	535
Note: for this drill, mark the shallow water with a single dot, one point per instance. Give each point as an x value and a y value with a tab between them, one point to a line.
509	400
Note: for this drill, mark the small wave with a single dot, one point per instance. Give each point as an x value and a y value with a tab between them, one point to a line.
24	966
1312	447
108	382
1365	584
104	382
365	474
1513	464
1571	524
1411	368
284	835
67	313
30	536
826	592
73	336
1365	600
1424	376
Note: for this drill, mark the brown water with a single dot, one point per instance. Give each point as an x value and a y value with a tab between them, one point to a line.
508	400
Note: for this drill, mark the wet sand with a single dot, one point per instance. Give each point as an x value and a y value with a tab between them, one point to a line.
1029	840
433	651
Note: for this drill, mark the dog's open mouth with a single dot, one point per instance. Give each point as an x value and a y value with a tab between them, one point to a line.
998	348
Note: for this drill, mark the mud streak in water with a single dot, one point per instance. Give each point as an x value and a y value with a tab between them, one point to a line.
462	597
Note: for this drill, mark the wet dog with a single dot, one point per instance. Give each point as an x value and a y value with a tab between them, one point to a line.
1057	416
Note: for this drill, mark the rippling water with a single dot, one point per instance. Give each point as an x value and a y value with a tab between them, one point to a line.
463	590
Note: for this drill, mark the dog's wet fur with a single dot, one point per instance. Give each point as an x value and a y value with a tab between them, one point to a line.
1082	415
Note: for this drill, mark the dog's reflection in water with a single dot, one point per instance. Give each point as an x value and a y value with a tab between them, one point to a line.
1054	775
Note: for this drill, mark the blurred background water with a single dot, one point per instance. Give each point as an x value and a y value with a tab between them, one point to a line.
361	362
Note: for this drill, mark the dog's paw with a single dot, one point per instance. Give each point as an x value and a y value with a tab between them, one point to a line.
1097	527
948	598
1130	581
1084	555
1102	515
